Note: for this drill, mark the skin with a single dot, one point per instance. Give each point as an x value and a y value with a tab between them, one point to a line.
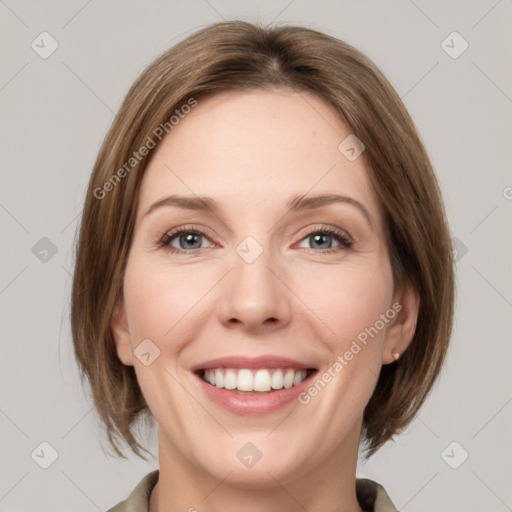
251	151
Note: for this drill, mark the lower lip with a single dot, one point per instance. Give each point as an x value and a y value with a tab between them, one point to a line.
255	402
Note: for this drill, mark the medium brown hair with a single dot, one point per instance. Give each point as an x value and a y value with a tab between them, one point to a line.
236	55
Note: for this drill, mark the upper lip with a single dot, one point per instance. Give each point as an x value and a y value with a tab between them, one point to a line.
264	361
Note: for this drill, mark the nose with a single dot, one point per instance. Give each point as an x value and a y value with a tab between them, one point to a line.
253	296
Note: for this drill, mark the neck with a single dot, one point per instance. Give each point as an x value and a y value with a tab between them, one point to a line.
328	487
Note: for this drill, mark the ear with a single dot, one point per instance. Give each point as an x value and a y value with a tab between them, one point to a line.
119	328
399	334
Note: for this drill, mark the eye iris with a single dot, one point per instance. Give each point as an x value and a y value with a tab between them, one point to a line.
318	238
189	239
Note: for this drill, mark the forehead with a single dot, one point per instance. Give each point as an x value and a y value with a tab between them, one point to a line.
256	148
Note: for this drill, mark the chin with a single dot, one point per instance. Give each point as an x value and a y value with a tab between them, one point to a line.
253	462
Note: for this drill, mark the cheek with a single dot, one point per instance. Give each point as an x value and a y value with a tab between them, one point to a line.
353	303
164	302
160	305
159	299
348	300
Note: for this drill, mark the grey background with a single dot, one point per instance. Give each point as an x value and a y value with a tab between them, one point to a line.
55	112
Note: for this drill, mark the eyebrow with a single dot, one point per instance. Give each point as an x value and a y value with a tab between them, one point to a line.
297	202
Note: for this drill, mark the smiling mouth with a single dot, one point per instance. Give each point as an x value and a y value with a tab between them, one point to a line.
263	380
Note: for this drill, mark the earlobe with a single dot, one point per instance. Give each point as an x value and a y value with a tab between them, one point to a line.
400	334
121	334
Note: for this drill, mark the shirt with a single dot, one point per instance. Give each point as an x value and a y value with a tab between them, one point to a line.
371	496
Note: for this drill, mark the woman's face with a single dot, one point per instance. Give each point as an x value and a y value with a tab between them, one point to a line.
268	284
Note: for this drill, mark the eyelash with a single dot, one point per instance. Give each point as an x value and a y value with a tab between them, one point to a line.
340	236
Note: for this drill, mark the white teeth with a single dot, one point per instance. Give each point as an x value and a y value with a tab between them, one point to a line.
261	380
230	379
299	377
219	379
288	379
245	380
277	380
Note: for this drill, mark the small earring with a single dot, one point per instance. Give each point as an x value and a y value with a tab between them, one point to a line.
396	355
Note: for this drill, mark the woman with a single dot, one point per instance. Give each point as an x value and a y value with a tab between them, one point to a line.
264	267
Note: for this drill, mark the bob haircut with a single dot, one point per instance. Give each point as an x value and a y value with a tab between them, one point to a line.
236	55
